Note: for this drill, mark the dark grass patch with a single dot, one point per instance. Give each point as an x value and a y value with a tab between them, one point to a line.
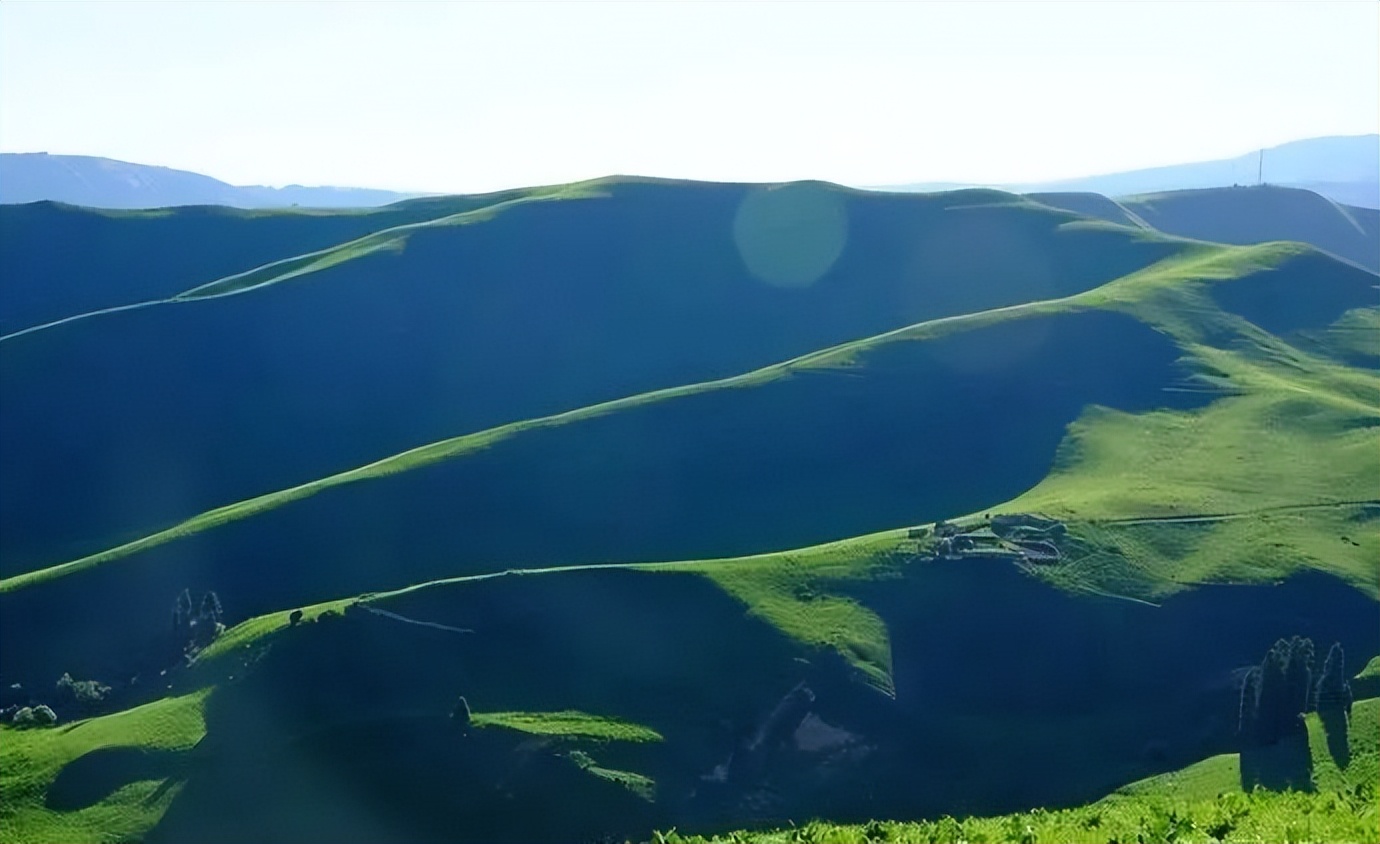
1308	292
90	778
996	675
400	781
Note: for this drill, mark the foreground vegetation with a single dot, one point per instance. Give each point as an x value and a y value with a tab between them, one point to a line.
1258	817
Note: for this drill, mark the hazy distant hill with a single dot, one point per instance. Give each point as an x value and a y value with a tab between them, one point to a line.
1241	216
1342	168
107	183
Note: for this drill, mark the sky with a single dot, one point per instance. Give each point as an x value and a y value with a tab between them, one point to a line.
473	96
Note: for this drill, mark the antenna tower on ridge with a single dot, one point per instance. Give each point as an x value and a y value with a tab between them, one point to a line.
1260	170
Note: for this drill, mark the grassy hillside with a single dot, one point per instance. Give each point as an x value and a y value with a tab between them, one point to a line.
717	469
589	548
805	455
627	690
473	319
1241	215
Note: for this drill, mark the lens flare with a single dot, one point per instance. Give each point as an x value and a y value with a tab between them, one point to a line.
790	235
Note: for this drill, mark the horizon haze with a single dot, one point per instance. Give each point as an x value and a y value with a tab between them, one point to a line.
1345	169
474	97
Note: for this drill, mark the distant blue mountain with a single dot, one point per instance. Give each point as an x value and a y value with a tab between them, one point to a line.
107	183
1342	168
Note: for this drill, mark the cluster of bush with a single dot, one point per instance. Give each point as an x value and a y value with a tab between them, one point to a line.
34	716
86	694
1283	687
20	709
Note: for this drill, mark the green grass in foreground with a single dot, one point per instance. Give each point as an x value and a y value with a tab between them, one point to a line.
30	761
1261	817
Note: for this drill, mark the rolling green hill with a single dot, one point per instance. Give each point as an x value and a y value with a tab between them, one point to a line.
591	548
529	305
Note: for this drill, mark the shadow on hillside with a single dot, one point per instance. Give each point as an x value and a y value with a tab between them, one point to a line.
1334	722
1308	292
400	780
1115	690
94	776
342	733
913	432
1278	767
342	730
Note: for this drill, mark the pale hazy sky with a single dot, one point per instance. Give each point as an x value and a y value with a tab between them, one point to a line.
468	96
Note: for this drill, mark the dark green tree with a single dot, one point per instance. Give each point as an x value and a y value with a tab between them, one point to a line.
182	612
460	715
210	607
1333	690
1298	675
83	693
1332	697
1278	691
